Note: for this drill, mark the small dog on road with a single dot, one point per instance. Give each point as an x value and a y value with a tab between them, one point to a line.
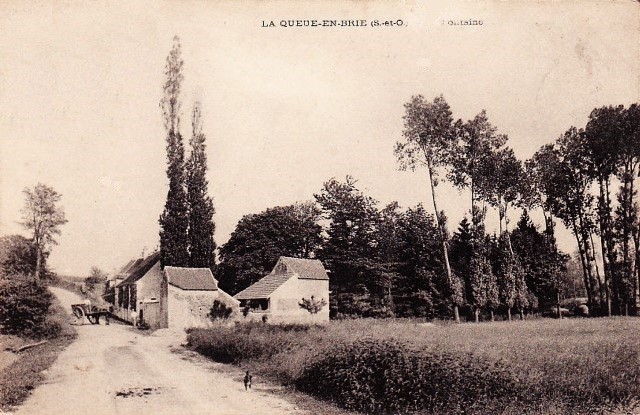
247	381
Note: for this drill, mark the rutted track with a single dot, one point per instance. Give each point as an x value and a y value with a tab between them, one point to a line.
116	370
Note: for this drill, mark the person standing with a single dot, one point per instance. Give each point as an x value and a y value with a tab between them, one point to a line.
247	381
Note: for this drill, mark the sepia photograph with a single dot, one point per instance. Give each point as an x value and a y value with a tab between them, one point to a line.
345	207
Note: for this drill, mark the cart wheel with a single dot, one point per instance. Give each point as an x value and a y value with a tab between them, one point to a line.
93	319
78	312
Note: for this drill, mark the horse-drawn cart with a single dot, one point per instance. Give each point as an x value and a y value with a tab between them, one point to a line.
92	313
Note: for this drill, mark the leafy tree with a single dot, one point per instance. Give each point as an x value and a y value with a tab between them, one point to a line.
602	138
572	284
312	305
201	226
96	279
473	159
479	270
43	217
493	292
220	311
522	292
260	239
506	184
461	247
428	140
560	171
628	218
17	256
174	220
544	265
350	247
623	127
421	289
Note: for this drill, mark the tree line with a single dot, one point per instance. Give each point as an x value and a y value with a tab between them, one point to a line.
406	262
392	261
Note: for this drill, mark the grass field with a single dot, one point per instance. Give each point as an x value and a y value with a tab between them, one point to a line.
540	366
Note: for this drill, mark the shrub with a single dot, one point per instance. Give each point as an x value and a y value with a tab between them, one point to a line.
24	306
380	376
219	311
246	341
312	305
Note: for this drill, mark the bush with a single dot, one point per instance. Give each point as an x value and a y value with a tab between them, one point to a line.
246	341
312	305
22	376
381	376
24	306
219	311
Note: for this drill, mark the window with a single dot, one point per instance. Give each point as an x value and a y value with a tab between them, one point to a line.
125	296
133	297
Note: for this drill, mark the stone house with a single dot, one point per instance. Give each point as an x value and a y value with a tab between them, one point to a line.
174	298
191	293
277	296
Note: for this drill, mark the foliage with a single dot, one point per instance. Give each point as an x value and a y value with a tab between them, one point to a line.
43	217
17	255
387	376
260	239
219	311
312	305
421	288
349	249
24	306
472	157
429	141
96	280
22	376
544	265
174	220
561	174
529	365
246	341
202	246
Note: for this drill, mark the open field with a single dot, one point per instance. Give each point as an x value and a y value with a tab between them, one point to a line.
540	366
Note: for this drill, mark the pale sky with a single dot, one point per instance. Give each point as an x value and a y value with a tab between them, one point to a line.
284	109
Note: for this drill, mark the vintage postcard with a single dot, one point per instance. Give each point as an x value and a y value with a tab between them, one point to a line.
298	207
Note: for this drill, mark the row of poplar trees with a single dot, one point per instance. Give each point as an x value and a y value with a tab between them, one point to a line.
586	178
572	180
186	224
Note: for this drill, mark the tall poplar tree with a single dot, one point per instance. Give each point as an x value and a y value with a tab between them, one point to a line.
174	220
202	246
428	140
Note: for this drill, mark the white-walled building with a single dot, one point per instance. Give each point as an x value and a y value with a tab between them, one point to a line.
174	298
278	295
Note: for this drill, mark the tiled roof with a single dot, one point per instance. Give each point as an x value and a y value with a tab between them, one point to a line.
307	269
191	278
264	287
125	271
140	268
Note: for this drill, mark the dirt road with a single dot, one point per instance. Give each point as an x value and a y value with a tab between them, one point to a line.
117	370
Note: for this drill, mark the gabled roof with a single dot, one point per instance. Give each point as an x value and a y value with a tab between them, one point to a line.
191	278
140	268
264	287
125	271
307	269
